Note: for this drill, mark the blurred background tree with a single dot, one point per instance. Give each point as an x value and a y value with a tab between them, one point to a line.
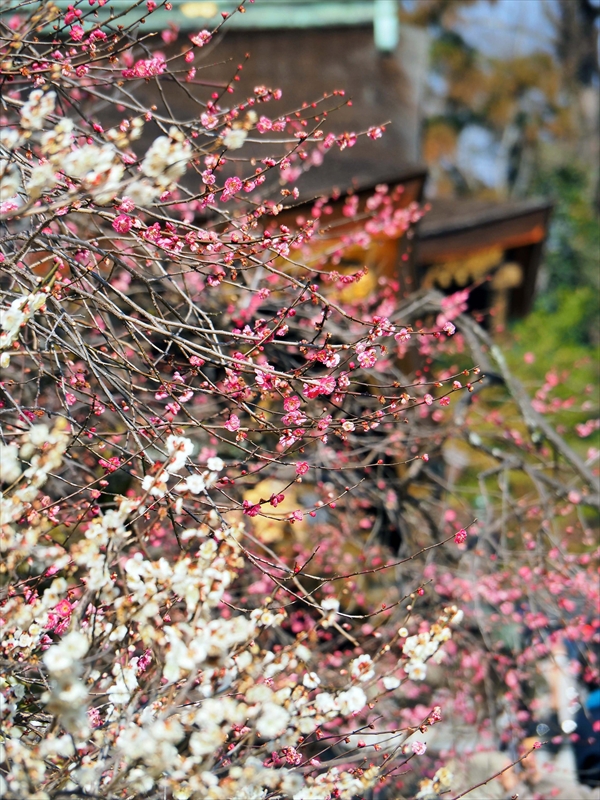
513	112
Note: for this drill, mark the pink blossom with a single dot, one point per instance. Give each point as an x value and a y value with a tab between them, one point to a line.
368	358
428	399
122	223
110	464
449	328
233	423
460	537
201	38
291	403
375	132
233	185
418	748
71	15
264	124
302	468
251	509
63	609
126	203
146	68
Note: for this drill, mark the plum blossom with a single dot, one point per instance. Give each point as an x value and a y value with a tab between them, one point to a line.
195	484
166	159
416	670
10	466
39	105
234	138
42	179
460	537
122	223
201	38
146	68
351	701
272	721
67	653
311	680
362	668
449	329
215	464
13	318
233	423
331	605
10	179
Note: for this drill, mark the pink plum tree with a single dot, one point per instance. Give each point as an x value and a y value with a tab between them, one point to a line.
259	534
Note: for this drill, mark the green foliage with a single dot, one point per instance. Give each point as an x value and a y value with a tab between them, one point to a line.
557	338
573	247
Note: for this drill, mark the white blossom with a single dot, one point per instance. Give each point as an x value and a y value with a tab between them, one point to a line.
273	721
352	700
142	192
57	141
215	464
416	670
38	106
325	703
10	179
42	179
311	680
166	159
10	467
67	653
362	668
234	138
195	484
331	605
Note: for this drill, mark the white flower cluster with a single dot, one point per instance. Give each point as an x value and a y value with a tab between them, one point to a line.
10	179
38	106
234	138
160	671
331	605
98	169
67	697
425	645
180	449
431	788
338	784
13	318
19	542
167	159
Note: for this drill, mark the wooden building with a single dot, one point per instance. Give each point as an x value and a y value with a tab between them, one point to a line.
308	48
